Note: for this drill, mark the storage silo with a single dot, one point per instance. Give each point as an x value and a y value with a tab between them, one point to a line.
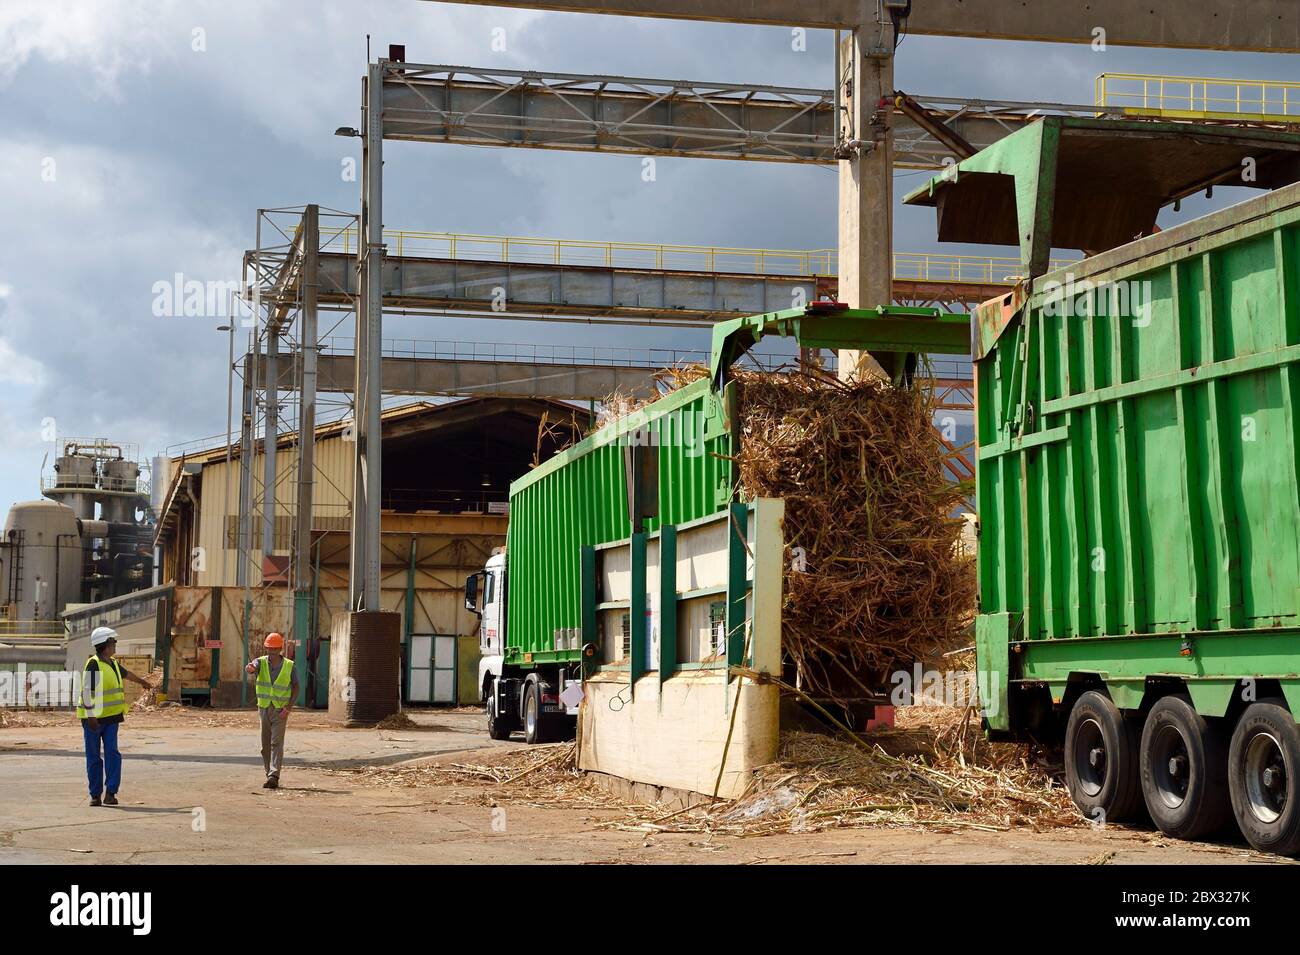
41	563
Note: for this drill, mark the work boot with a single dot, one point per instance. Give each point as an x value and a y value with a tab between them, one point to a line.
94	800
110	799
272	782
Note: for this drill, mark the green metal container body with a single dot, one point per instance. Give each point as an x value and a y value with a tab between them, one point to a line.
1137	465
579	499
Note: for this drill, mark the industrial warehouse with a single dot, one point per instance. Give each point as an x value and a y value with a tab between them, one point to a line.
970	536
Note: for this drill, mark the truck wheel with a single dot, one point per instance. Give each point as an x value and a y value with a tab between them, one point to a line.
1263	769
1101	760
500	726
535	727
1184	771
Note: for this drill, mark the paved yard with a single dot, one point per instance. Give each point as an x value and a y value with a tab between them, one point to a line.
191	792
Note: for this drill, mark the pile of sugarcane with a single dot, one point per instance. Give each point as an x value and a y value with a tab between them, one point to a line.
875	579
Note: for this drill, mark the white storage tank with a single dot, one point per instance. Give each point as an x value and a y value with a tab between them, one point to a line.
159	481
120	479
74	470
119	475
71	472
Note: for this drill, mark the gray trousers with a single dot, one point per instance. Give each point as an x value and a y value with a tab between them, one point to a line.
273	726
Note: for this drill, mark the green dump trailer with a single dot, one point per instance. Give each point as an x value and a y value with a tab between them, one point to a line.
1139	522
665	465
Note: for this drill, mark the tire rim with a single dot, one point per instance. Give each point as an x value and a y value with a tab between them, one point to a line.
1090	756
530	715
1267	786
1170	766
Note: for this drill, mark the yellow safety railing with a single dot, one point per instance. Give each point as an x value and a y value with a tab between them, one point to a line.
29	629
1199	97
916	266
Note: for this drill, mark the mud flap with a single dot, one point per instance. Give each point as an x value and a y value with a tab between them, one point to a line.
993	665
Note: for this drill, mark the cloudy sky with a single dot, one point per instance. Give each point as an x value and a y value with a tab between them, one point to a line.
140	136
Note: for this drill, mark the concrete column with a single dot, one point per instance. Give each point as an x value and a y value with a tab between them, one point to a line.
866	66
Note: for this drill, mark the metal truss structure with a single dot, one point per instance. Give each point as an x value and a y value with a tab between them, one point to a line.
653	117
282	287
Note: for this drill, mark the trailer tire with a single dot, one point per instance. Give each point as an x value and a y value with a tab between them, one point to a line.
1101	760
536	727
1184	765
1263	771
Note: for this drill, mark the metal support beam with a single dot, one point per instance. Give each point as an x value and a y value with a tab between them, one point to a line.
367	472
270	436
933	124
1264	26
501	379
247	422
505	378
302	578
674	297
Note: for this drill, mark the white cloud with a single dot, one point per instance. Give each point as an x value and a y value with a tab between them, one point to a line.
19	369
106	39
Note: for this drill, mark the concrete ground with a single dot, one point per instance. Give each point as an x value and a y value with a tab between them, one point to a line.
191	793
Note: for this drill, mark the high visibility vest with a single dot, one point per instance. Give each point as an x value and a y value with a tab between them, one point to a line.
275	693
108	698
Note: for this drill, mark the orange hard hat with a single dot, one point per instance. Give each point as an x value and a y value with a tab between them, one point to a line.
273	641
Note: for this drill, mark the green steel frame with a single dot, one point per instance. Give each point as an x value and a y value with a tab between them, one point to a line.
1093	184
886	330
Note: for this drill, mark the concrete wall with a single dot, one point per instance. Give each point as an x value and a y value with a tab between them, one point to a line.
678	740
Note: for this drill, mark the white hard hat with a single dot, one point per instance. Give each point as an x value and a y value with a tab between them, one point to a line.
102	635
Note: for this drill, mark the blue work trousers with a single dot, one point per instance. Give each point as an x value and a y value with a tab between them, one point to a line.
102	771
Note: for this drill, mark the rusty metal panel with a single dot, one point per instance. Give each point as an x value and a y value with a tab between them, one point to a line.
191	626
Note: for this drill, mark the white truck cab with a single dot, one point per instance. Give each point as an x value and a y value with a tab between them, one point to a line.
492	620
531	697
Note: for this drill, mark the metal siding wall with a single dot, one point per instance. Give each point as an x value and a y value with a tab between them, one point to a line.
331	500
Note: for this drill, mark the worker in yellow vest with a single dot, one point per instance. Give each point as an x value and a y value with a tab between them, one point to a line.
277	690
102	710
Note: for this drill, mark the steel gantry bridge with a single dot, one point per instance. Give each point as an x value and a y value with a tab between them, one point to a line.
637	116
517	277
